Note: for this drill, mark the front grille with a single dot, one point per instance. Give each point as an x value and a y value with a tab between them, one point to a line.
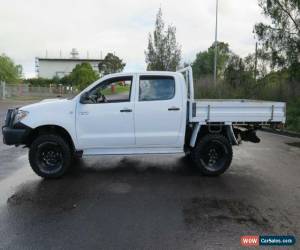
10	115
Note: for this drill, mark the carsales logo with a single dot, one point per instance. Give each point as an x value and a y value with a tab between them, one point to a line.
250	241
255	240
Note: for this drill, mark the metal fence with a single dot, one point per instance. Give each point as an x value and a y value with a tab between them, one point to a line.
26	91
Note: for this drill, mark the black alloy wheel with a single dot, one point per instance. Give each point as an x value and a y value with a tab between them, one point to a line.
50	156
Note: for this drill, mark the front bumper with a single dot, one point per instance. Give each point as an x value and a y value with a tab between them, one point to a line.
14	134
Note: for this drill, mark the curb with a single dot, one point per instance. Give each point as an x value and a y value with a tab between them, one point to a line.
279	132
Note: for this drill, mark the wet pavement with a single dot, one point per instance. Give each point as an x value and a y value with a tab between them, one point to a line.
152	202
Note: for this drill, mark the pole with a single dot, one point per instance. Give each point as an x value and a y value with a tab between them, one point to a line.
255	67
216	44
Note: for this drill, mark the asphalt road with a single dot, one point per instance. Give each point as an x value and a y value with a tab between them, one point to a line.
153	202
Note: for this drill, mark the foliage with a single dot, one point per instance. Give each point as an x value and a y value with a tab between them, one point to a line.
163	52
9	72
257	63
235	73
66	81
111	64
281	38
42	82
293	115
240	80
83	75
45	82
56	80
204	63
281	42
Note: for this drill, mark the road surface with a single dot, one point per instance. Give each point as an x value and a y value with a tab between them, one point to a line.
153	202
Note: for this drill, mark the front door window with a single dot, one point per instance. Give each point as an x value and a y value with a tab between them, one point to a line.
112	91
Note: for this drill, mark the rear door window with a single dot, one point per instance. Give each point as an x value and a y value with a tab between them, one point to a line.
155	88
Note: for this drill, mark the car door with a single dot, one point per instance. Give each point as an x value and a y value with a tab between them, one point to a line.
158	111
106	119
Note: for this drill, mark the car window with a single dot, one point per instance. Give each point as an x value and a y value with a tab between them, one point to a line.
112	90
154	88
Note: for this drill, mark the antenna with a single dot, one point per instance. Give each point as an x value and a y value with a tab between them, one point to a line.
60	55
46	53
87	54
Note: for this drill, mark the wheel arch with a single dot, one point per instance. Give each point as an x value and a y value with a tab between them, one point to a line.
50	129
199	131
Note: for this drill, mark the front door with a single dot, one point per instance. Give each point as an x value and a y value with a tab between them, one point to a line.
106	120
158	112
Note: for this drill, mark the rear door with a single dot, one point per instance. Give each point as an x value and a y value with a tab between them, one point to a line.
158	111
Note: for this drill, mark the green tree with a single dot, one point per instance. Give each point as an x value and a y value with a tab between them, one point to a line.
66	81
55	80
240	76
163	52
257	64
9	72
235	71
203	65
83	75
111	64
281	38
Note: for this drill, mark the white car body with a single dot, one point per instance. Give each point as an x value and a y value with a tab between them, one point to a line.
98	129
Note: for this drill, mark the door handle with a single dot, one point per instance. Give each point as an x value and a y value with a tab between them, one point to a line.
84	113
126	110
174	109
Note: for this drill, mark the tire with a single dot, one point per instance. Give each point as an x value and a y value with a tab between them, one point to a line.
212	155
50	156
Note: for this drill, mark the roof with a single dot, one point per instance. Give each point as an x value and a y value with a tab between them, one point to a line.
146	73
163	73
70	59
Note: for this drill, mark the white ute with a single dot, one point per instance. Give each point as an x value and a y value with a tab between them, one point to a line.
138	113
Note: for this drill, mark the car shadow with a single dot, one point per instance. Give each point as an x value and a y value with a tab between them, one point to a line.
132	165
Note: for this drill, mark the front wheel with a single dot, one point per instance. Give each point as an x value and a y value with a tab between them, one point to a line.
50	156
212	155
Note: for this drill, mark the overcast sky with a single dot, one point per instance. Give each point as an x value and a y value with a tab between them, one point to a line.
29	28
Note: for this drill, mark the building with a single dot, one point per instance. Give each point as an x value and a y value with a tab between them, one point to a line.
51	67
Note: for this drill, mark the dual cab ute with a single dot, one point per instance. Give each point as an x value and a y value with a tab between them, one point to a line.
138	113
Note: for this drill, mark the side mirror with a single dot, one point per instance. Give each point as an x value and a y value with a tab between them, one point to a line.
84	98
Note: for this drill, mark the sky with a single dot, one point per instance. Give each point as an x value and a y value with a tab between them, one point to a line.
30	28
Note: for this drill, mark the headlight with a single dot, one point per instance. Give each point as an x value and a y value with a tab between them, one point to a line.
20	115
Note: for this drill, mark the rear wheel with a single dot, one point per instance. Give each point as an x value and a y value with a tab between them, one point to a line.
212	155
50	156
